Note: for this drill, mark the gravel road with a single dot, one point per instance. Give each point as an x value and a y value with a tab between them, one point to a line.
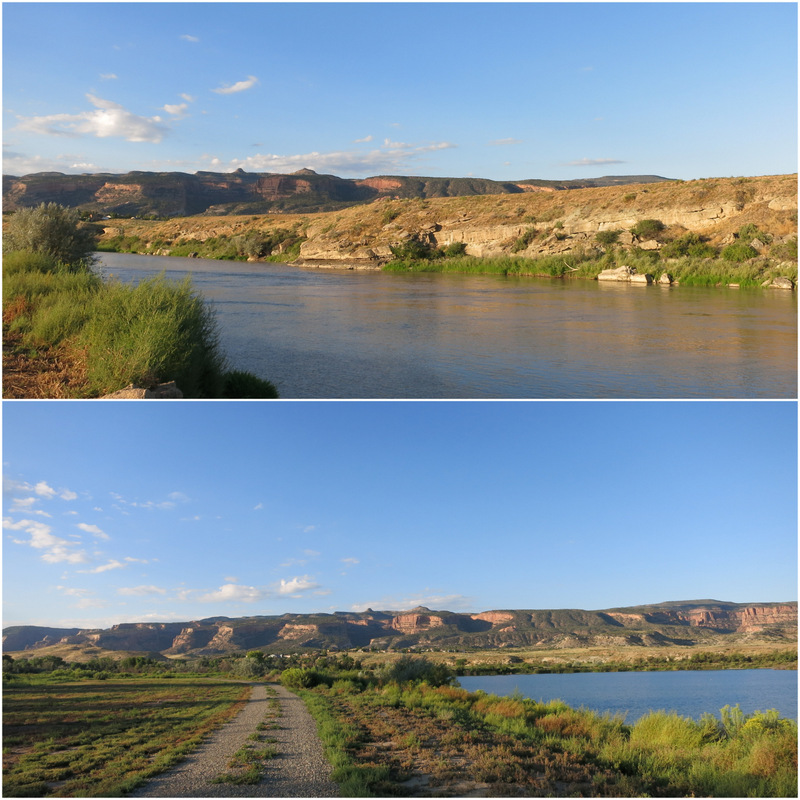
299	770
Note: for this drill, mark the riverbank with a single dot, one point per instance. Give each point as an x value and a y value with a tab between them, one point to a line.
714	232
68	334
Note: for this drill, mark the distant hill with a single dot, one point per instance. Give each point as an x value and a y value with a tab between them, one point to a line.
179	194
672	623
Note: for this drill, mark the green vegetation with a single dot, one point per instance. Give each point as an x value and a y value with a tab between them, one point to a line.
105	738
607	238
51	230
648	228
396	731
155	332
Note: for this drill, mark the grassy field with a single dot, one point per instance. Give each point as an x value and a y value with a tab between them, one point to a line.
104	738
421	740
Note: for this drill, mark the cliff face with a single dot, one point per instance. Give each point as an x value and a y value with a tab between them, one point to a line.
648	625
171	194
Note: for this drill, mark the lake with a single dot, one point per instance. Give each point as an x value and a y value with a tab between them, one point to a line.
633	694
342	334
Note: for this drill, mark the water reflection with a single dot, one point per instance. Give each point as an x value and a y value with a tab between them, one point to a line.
326	334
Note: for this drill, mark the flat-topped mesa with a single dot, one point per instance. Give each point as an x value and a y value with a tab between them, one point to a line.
495	617
414	623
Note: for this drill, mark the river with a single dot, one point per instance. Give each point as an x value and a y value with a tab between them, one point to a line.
338	334
633	694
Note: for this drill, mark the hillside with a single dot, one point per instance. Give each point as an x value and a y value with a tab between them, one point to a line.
528	224
179	194
683	624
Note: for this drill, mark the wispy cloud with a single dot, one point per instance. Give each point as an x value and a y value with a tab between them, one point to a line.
176	110
449	602
93	529
140	591
108	76
365	139
239	86
350	561
112	564
54	549
391	157
502	142
593	162
189	38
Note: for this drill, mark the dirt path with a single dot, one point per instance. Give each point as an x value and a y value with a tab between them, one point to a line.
298	770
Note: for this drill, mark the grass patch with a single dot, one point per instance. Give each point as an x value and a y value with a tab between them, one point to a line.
101	739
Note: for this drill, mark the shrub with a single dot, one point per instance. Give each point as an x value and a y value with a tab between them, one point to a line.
691	244
455	249
416	670
739	251
607	237
303	678
153	332
239	385
414	249
524	241
785	250
648	228
51	229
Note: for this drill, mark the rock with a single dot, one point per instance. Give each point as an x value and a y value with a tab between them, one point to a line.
650	244
665	279
730	238
625	237
645	279
164	391
623	273
780	283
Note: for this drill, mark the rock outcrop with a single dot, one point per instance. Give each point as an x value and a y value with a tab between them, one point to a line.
670	623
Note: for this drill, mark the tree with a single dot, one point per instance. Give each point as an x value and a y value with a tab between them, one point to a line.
51	229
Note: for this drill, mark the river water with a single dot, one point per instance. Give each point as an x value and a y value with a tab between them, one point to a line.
634	694
342	334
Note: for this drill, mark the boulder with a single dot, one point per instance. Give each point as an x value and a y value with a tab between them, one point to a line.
650	244
644	280
781	283
622	273
164	391
665	279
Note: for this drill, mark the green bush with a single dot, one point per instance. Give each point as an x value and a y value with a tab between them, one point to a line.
53	230
239	385
524	241
607	237
691	244
414	249
739	251
153	332
414	670
455	249
648	228
303	678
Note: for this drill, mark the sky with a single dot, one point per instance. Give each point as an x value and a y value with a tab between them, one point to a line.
146	511
505	91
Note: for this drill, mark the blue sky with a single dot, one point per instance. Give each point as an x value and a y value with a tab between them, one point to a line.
506	91
136	511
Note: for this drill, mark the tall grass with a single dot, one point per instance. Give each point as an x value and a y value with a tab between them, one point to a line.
154	332
139	334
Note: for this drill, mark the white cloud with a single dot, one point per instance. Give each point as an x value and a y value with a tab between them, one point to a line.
187	97
21	503
43	490
258	507
593	162
233	592
108	76
350	561
136	560
140	591
501	142
390	158
177	110
187	38
297	585
93	529
365	139
66	494
450	602
112	564
239	86
56	550
109	119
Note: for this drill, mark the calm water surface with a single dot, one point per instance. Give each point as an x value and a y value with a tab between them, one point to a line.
634	694
341	334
